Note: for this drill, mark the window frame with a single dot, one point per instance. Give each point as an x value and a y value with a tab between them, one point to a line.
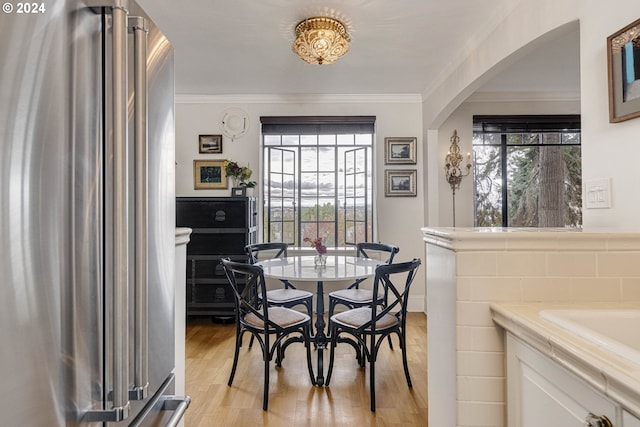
293	134
523	125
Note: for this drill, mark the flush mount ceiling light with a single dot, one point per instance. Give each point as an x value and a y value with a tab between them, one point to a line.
321	40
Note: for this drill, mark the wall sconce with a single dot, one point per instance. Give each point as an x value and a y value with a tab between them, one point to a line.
452	168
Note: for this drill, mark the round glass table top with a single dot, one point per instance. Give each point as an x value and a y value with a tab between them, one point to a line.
303	268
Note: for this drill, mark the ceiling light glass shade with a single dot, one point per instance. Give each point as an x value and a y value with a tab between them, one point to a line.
321	40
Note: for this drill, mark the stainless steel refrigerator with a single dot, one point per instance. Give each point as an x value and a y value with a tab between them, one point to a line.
87	216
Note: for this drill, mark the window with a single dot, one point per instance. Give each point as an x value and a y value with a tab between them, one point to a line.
527	171
318	179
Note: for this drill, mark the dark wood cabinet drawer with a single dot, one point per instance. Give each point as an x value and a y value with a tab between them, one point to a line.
209	268
212	293
213	213
205	269
217	243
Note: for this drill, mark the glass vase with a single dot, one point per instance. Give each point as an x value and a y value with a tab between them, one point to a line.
320	261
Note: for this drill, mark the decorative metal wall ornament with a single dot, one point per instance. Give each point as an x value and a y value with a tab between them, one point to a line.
234	123
321	40
452	168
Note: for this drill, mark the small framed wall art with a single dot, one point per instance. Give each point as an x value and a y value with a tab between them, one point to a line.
623	58
209	174
400	182
239	192
400	151
210	144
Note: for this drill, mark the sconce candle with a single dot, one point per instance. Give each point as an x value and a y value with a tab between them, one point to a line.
452	168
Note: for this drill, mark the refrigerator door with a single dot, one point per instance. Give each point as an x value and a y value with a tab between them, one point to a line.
160	219
140	220
51	293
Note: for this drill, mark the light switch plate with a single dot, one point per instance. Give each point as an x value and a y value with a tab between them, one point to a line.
598	193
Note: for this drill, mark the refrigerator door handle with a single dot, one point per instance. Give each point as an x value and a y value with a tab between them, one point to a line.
120	317
179	405
164	402
139	28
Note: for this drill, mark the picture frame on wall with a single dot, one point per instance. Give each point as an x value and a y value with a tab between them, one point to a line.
400	151
400	182
210	144
209	174
239	192
623	60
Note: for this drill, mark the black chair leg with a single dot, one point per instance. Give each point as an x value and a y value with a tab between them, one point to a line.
309	305
279	355
235	358
265	399
403	345
334	340
332	306
372	378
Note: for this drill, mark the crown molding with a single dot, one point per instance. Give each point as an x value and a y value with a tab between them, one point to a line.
523	96
302	99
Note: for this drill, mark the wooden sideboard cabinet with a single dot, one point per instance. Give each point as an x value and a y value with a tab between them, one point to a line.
221	227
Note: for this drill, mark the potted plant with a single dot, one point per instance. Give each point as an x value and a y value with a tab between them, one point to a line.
239	176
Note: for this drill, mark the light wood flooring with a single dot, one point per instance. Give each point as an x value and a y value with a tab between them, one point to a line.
293	401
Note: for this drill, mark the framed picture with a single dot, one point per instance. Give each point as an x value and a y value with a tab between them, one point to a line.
623	58
400	151
210	144
400	183
209	174
239	192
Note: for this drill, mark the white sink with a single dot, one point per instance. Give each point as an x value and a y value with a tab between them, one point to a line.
616	330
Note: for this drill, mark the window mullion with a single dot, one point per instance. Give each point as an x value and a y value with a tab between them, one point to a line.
503	173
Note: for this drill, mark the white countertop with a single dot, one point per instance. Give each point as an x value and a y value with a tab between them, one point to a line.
614	376
521	238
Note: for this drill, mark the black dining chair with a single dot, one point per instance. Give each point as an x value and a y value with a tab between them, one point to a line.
353	296
262	321
288	296
368	326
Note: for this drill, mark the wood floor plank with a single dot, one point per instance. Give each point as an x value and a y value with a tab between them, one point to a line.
293	401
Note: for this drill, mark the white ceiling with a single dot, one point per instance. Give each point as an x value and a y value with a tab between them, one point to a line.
243	47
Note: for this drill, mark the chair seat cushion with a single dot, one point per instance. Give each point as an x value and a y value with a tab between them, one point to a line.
286	295
359	316
279	315
354	295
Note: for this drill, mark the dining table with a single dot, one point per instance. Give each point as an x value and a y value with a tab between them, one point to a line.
302	269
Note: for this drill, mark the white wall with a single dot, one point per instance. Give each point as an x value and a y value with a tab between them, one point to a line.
399	219
531	24
609	150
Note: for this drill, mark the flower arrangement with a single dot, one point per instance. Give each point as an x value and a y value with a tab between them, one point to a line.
317	245
240	174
